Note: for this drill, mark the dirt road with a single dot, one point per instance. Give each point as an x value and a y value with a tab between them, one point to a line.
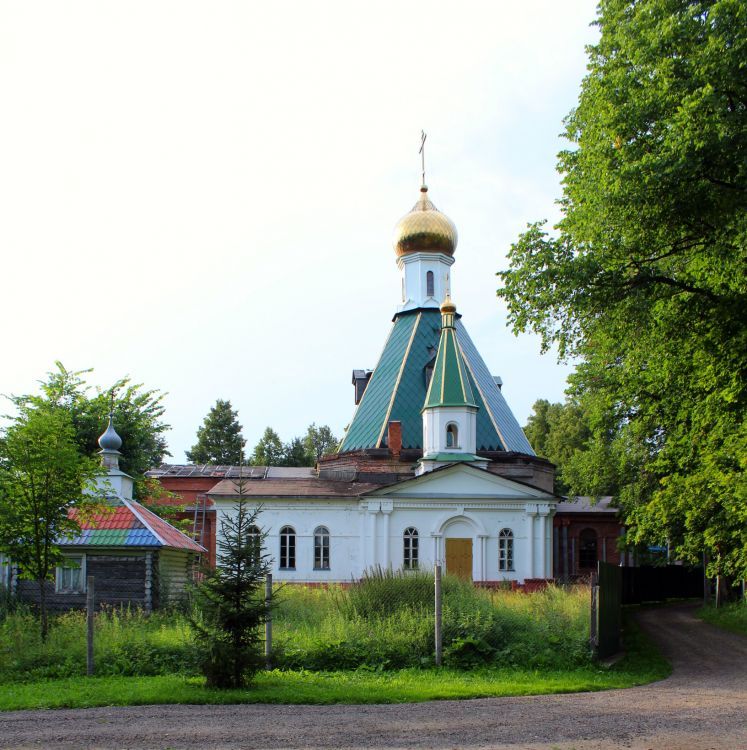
702	706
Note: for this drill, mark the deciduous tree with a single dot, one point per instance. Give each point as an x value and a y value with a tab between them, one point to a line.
43	476
319	441
269	451
137	415
644	278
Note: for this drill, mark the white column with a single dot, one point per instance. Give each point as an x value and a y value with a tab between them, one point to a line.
482	573
543	544
362	532
531	513
387	561
373	557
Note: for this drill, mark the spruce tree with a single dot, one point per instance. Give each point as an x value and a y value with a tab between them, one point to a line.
219	440
231	602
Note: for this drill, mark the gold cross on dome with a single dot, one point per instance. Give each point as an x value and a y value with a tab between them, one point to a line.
423	136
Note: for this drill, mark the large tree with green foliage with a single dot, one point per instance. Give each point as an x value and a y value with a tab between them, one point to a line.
43	476
269	451
219	439
559	433
319	441
137	415
644	279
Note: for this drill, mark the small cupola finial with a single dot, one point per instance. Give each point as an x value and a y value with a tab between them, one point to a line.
110	442
448	311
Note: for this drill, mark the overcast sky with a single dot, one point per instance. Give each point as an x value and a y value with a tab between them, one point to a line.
202	195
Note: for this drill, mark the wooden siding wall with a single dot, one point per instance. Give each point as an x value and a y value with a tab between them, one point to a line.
119	580
174	573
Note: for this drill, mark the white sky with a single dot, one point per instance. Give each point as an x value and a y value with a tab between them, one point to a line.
202	195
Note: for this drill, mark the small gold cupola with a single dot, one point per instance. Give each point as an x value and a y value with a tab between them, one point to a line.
425	230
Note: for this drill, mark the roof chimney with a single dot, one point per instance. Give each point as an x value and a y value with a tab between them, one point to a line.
395	438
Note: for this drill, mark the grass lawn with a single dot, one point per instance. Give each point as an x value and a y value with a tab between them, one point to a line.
642	664
731	616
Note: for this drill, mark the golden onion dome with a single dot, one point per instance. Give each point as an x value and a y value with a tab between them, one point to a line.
448	306
425	230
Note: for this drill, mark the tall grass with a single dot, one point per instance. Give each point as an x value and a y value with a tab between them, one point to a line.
385	622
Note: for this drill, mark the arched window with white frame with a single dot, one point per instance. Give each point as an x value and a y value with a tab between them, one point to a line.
287	548
452	435
429	285
505	550
410	549
321	548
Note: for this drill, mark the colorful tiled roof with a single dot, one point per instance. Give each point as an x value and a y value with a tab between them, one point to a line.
397	390
129	524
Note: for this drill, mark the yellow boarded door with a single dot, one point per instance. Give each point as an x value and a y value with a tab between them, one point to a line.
459	558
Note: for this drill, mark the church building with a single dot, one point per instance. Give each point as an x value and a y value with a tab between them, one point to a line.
433	468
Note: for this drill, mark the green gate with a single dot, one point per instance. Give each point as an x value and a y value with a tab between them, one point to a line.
609	613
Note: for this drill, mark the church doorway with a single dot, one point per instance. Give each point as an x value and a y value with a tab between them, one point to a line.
459	557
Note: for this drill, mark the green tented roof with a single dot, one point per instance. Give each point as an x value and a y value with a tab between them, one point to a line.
397	390
449	385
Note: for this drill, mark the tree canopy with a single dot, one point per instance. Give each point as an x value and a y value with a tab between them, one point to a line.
306	451
559	433
319	441
269	450
643	279
43	475
219	439
137	415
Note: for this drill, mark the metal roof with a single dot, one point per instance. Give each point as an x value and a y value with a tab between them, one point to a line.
129	524
397	390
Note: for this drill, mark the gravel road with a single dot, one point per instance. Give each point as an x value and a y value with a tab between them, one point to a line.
702	706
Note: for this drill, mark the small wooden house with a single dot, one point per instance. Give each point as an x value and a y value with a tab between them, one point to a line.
135	557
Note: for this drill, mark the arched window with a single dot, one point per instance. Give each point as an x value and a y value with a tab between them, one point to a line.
287	548
410	540
506	549
429	290
587	549
255	539
452	436
321	548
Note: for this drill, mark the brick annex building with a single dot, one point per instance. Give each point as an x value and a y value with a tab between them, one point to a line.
433	467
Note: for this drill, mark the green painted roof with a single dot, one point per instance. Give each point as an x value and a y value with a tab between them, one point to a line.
449	385
397	390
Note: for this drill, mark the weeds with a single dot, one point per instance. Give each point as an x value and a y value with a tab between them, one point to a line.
381	624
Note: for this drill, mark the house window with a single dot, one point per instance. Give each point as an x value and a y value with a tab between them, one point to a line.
506	550
71	575
410	541
287	548
321	548
587	549
452	436
429	290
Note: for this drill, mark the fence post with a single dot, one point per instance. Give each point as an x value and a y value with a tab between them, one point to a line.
593	634
89	625
268	622
437	624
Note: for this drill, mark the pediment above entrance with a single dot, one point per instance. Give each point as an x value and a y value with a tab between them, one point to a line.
464	481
